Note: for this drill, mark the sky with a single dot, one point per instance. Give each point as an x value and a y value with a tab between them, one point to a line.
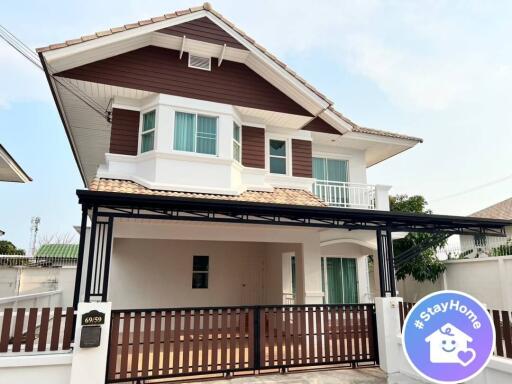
440	70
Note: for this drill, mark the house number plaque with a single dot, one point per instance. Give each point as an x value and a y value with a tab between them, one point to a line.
93	318
90	337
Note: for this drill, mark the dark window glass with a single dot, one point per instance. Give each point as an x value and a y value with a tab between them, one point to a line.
200	280
201	263
200	271
277	152
277	148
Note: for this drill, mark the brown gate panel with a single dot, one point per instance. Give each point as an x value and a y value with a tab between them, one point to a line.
159	343
178	342
316	335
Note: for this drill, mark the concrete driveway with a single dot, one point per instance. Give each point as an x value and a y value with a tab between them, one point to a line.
332	376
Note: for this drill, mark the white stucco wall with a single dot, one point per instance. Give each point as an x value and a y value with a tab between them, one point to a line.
37	280
487	279
158	273
39	368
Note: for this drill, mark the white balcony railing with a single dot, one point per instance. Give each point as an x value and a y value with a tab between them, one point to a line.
345	195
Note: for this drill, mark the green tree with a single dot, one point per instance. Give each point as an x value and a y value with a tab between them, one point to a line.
8	248
426	266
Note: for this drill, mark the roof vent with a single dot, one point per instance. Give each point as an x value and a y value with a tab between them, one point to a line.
199	62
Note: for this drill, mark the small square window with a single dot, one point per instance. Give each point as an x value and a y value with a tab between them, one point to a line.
200	271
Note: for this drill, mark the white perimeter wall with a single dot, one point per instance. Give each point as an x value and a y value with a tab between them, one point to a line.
37	280
40	369
487	279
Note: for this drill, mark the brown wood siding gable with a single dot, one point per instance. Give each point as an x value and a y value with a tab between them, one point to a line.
319	125
203	29
302	158
124	135
253	147
160	70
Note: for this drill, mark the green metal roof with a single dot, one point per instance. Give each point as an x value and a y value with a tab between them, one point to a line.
58	250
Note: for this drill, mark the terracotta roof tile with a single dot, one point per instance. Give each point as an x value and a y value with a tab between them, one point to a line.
278	196
118	29
501	210
104	33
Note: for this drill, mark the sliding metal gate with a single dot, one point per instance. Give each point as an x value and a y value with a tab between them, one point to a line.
159	343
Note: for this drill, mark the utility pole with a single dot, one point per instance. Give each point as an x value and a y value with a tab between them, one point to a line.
34	228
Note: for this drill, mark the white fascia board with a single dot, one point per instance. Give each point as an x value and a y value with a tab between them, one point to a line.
378	139
334	120
56	55
100	48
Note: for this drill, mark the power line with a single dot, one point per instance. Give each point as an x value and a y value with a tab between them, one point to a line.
31	56
472	189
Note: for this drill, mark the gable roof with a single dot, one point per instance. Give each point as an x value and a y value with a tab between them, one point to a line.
187	28
501	210
205	7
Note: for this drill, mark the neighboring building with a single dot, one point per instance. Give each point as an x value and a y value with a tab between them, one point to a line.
10	170
57	254
484	246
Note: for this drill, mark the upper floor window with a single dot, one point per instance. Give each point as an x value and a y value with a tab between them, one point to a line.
237	145
330	170
277	154
195	133
148	132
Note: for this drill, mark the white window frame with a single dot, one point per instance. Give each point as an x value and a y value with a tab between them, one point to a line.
239	143
207	273
332	156
141	128
194	152
288	157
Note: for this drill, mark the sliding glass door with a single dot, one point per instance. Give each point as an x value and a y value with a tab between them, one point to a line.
341	279
330	176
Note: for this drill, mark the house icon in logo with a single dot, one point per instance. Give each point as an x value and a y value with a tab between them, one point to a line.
448	344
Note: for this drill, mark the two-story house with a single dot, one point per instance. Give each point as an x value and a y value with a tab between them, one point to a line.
187	105
216	176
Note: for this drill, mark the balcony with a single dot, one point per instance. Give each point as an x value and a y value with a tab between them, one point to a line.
352	195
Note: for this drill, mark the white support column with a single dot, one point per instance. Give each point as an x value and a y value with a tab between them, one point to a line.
382	197
388	328
90	364
312	270
363	280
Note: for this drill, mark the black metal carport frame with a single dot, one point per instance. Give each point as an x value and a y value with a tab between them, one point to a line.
104	207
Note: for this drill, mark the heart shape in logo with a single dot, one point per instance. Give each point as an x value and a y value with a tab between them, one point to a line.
466	356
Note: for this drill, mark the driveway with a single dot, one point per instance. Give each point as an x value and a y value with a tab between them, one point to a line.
339	376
